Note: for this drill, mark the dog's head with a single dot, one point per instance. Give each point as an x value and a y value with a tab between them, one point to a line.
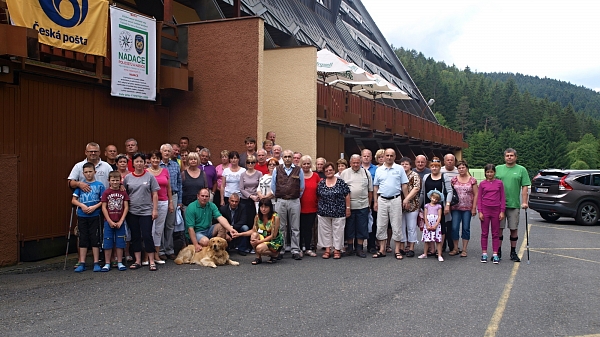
218	244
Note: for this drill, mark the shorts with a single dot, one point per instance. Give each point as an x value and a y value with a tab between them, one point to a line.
512	216
208	233
114	237
89	231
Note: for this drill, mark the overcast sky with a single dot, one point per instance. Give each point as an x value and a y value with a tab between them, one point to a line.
555	39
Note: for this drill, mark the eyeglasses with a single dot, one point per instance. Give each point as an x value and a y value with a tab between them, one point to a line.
436	161
250	162
272	164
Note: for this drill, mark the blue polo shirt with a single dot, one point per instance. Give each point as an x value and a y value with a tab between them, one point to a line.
390	180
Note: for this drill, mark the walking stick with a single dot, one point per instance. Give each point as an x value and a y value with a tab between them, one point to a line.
527	234
69	237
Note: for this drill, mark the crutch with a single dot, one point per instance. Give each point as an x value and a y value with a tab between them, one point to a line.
527	234
69	237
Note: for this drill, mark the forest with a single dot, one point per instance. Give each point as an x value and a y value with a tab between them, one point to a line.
551	123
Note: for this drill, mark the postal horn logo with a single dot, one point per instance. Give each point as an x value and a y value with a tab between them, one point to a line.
56	10
139	44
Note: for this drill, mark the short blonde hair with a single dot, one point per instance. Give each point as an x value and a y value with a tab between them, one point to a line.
193	155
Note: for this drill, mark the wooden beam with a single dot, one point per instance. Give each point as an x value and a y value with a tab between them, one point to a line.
168	11
237	8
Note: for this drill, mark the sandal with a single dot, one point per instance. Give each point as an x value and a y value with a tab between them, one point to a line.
135	266
326	255
152	267
398	256
256	261
337	254
388	249
310	253
378	255
272	260
453	252
463	254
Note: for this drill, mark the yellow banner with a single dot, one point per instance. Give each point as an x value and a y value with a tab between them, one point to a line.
78	25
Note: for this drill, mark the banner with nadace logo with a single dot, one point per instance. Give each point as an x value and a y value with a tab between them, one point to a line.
133	55
78	25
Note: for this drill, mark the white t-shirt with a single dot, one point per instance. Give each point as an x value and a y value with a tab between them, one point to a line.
232	181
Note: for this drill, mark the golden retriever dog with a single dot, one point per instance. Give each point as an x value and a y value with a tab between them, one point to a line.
213	255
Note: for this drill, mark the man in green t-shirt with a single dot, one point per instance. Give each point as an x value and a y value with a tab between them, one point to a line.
199	216
516	181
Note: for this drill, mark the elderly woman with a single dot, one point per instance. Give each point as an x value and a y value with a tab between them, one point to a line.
142	188
466	188
165	202
249	182
379	157
219	169
319	165
231	177
332	210
308	204
265	237
342	164
193	180
410	214
434	181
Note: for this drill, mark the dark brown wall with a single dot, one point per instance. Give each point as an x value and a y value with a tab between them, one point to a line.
222	109
330	142
8	209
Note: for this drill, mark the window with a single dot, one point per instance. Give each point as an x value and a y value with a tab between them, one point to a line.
585	180
596	180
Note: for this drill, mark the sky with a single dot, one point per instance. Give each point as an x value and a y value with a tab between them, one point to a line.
554	39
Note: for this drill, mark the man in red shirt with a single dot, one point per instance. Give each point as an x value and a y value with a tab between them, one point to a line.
261	165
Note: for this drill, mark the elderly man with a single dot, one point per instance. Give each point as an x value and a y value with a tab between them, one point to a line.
389	185
449	169
361	193
92	155
367	164
287	185
235	213
261	164
199	216
167	248
271	136
296	158
250	143
516	181
277	153
110	152
421	166
131	147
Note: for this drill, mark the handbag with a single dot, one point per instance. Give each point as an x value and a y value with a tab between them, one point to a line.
455	200
421	220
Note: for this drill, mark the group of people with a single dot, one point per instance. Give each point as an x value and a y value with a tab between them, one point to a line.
268	201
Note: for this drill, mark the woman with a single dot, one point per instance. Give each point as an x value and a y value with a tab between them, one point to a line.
184	160
319	165
466	188
332	210
142	188
165	204
122	161
379	158
219	169
410	214
265	237
264	185
231	177
342	164
434	181
248	186
268	146
193	180
308	205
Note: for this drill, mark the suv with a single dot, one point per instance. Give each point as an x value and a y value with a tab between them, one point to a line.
567	193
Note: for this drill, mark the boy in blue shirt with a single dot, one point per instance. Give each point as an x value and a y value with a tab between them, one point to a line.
88	211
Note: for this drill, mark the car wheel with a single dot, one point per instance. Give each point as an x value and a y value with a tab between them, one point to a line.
550	217
587	214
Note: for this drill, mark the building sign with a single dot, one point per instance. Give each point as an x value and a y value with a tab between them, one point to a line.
78	25
133	55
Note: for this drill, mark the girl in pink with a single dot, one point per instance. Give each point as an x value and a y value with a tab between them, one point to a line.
433	231
491	203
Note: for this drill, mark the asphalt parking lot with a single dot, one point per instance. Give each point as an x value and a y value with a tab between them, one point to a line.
555	295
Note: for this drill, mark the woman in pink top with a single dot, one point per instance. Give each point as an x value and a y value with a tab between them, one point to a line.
491	203
466	188
164	202
219	169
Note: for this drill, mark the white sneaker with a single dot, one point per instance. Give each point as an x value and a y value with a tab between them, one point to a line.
441	259
422	256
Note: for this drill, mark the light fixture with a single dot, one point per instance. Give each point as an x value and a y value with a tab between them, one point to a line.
5	69
431	102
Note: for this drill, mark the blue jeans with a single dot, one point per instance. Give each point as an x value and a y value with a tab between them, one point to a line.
465	217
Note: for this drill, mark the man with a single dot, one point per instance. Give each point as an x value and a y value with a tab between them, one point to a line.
296	158
287	185
261	165
361	193
131	147
516	181
175	153
167	249
236	216
199	216
421	166
389	184
277	153
110	152
271	136
367	164
450	171
76	178
209	170
184	142
250	143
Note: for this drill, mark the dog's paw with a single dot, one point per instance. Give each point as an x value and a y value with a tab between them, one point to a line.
234	263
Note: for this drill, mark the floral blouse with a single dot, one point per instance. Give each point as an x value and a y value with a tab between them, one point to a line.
332	200
414	181
465	194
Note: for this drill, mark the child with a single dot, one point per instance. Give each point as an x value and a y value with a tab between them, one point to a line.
88	211
432	231
491	203
115	205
